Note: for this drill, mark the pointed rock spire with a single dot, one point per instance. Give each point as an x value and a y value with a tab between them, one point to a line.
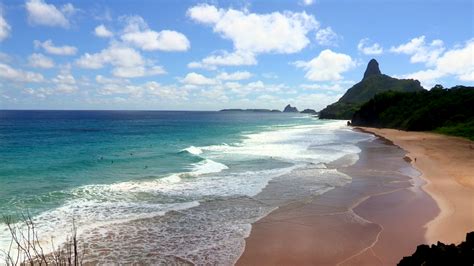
372	69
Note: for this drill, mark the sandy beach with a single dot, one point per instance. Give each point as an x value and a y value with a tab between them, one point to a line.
383	214
447	164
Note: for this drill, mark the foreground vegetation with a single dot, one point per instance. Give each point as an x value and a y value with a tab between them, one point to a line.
442	254
27	249
446	111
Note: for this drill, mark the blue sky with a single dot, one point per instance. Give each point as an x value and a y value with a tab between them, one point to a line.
208	55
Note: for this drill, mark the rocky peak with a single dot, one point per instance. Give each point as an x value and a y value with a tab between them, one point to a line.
291	109
372	69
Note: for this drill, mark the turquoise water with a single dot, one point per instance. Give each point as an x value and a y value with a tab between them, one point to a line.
46	153
116	167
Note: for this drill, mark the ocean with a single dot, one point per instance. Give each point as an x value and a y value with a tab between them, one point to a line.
162	186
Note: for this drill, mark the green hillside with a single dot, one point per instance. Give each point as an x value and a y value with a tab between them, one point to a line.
448	111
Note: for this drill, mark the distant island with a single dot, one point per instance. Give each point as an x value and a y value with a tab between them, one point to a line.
251	110
290	109
373	82
287	109
309	111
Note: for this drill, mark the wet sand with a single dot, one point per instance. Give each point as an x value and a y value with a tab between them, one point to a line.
447	164
375	220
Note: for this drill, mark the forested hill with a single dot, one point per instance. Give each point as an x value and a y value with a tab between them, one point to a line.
448	111
373	82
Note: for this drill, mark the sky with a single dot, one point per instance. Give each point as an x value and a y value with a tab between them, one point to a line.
209	55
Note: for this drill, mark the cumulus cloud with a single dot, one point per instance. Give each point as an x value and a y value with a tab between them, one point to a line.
197	79
258	33
40	61
126	62
254	87
327	66
367	48
42	13
215	94
239	75
148	90
457	62
237	58
166	92
9	73
421	51
102	32
253	33
50	48
65	82
326	37
307	2
140	35
5	28
335	86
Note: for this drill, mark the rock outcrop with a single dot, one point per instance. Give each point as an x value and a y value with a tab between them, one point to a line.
374	82
290	109
309	111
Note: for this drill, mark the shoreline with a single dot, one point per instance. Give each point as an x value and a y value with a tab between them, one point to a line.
349	224
447	166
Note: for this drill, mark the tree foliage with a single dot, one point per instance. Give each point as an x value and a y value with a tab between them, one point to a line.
449	111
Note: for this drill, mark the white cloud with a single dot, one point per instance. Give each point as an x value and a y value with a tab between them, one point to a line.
216	94
239	75
40	61
252	33
49	47
326	37
127	62
232	85
9	73
102	32
65	82
457	62
39	92
237	58
307	2
316	101
104	80
42	13
197	79
366	48
138	34
337	87
327	66
146	91
205	13
111	89
420	51
255	87
5	28
258	33
166	92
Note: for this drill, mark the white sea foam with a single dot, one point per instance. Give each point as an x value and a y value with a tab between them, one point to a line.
193	150
101	204
306	143
56	224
